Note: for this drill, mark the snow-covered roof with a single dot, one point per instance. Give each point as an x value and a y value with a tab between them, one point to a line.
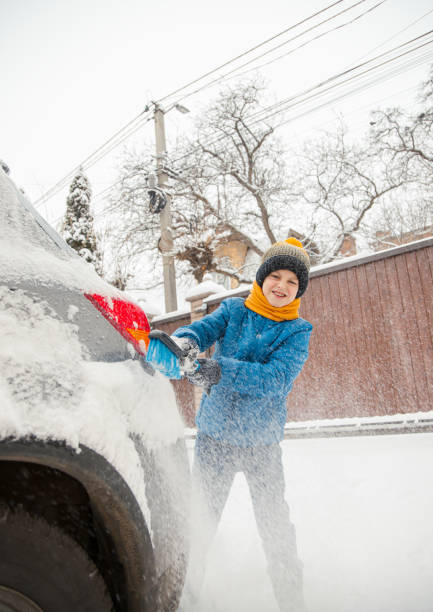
202	290
171	316
222	295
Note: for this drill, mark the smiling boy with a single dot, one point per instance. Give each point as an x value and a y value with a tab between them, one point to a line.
280	287
261	345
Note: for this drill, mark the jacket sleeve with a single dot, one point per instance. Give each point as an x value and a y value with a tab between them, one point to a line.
208	330
277	375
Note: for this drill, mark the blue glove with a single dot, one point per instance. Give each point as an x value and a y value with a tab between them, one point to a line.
207	374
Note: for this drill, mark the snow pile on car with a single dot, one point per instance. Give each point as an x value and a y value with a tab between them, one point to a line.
49	390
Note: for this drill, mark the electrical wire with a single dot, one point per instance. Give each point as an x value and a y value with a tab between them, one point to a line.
118	142
363	87
230	74
265	42
136	123
92	159
424	58
317	37
292	101
395	35
385	74
264	114
234	72
345	73
319	105
427	57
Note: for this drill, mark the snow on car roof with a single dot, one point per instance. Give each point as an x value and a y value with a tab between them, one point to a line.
29	251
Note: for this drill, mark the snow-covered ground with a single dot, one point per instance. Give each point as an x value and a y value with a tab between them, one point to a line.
363	509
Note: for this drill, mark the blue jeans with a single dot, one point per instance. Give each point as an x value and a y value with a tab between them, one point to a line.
214	469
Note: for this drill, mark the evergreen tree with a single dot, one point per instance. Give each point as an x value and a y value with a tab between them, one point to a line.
77	229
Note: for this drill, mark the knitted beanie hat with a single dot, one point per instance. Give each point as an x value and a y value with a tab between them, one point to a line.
286	255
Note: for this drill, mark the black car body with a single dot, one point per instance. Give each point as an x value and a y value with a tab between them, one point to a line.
94	476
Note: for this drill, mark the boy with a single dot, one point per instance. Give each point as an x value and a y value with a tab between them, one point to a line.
261	345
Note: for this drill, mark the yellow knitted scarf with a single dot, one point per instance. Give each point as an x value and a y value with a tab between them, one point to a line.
257	302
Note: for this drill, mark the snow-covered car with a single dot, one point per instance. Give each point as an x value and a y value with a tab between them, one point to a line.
94	475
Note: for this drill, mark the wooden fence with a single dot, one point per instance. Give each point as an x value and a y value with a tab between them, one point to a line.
371	351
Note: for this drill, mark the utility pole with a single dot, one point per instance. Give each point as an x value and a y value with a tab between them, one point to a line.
166	242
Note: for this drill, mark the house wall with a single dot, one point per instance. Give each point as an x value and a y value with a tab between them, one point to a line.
235	251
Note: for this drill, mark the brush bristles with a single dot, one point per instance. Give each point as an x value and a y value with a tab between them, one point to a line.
163	359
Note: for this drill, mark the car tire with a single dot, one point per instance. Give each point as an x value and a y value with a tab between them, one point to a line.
40	563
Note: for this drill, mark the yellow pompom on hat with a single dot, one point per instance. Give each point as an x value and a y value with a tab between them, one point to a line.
288	254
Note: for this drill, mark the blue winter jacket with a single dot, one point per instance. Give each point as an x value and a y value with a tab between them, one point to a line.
259	361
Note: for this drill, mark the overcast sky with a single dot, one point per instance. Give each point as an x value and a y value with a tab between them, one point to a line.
73	73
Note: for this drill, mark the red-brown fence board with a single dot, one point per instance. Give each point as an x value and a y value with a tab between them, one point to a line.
382	324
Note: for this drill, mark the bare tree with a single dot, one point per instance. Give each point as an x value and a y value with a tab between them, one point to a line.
232	180
340	182
230	184
406	139
408	136
405	216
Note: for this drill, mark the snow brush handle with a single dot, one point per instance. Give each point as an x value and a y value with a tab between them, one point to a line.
169	343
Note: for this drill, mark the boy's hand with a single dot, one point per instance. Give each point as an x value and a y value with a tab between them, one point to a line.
206	375
188	363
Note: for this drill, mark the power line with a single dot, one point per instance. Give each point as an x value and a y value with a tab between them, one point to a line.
364	86
298	98
352	111
234	72
265	42
133	125
119	141
284	103
96	156
144	117
317	37
396	34
383	75
314	108
106	210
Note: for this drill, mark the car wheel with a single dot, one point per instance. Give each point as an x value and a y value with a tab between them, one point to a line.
41	568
